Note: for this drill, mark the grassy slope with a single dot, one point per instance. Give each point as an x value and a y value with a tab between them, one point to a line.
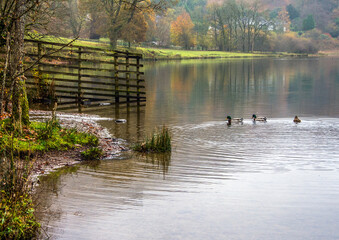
167	54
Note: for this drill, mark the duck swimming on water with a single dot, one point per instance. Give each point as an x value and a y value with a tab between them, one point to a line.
261	119
296	119
237	120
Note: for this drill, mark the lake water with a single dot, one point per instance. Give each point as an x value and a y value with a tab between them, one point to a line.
274	180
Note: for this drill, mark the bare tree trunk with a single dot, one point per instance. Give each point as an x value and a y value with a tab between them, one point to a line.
74	17
4	78
92	29
18	90
252	50
248	39
113	39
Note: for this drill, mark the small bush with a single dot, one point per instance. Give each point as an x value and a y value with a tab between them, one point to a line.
16	208
50	128
160	141
17	218
93	153
290	42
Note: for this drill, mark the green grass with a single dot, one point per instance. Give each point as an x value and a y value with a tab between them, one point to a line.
42	137
78	42
192	54
165	54
173	54
159	142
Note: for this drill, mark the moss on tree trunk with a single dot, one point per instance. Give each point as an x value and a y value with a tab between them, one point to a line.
20	114
20	103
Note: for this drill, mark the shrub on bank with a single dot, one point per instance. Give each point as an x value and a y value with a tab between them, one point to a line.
17	217
293	43
16	208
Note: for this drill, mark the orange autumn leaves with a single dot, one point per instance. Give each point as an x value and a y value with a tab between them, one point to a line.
182	33
4	116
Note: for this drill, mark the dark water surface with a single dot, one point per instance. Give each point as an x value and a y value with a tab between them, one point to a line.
274	180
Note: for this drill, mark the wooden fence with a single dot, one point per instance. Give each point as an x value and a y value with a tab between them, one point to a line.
85	75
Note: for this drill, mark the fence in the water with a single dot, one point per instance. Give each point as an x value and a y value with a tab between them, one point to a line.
85	76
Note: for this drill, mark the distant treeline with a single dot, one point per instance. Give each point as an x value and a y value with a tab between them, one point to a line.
301	26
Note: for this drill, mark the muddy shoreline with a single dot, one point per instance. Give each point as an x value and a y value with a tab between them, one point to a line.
45	163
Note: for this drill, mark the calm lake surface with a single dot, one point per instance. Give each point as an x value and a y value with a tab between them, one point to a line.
274	180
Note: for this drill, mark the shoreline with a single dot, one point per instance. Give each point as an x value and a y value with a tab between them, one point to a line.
259	55
50	161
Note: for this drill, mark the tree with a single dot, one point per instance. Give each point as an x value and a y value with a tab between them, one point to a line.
257	24
237	24
308	23
96	21
163	27
121	12
251	22
292	12
64	18
201	25
333	26
150	18
135	30
259	29
74	17
13	16
224	21
242	22
214	22
16	16
284	21
182	31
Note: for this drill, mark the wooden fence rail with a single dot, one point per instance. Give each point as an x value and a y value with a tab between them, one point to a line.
87	75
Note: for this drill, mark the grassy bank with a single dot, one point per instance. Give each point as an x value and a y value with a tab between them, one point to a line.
166	53
172	54
41	137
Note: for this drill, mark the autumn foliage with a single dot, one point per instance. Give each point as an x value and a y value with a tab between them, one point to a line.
135	30
182	33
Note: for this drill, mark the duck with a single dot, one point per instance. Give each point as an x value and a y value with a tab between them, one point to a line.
261	119
296	119
120	120
237	120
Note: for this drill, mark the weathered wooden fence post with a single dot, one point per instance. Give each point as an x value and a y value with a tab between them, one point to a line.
138	81
39	57
116	78
127	79
79	78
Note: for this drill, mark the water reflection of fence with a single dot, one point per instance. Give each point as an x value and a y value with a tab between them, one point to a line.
87	75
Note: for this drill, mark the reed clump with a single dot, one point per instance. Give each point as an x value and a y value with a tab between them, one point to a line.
159	142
